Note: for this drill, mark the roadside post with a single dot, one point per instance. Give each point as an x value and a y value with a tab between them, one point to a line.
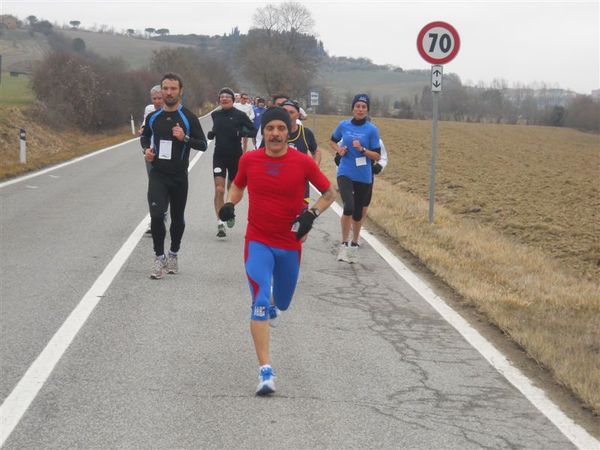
438	43
314	102
132	124
22	147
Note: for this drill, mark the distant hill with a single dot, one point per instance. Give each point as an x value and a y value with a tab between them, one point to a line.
342	75
20	50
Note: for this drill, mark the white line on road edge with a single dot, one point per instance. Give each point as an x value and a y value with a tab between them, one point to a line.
58	166
15	405
576	434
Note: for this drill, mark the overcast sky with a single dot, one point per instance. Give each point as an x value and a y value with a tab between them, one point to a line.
551	42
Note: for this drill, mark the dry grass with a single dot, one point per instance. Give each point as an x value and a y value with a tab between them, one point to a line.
44	146
528	258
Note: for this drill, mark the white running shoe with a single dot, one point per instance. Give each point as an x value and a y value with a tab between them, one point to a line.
352	253
158	268
266	381
343	253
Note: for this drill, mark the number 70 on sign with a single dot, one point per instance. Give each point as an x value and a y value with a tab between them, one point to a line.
438	42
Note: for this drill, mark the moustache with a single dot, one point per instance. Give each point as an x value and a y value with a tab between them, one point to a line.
276	139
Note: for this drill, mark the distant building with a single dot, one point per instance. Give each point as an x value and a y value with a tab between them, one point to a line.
8	22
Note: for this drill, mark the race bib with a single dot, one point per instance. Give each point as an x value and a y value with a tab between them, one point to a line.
361	161
164	150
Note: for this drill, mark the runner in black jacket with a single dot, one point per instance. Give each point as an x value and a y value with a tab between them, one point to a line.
230	125
169	135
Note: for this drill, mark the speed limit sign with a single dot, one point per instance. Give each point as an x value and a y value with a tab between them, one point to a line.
438	42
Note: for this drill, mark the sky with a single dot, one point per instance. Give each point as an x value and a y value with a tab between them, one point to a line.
552	43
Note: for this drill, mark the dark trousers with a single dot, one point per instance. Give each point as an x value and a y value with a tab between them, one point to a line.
164	190
354	196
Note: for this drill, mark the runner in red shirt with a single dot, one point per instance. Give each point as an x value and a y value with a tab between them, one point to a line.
278	223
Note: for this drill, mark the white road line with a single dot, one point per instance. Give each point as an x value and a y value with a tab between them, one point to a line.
15	405
58	166
575	433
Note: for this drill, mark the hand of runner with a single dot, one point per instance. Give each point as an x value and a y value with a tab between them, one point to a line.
178	132
149	154
227	212
305	222
356	144
342	150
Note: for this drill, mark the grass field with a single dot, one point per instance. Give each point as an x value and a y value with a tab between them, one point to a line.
515	232
15	90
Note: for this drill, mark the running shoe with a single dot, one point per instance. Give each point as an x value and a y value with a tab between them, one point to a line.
231	223
221	231
158	268
274	315
353	253
343	252
266	381
172	265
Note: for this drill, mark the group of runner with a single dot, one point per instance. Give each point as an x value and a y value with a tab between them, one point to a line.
277	177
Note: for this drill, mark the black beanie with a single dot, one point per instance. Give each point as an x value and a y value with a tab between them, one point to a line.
361	98
275	113
227	91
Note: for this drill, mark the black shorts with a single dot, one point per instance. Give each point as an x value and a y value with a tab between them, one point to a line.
225	166
369	195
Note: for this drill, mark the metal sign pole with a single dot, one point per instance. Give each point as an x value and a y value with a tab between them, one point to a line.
433	155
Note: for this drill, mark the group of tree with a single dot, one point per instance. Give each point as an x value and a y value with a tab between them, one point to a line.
39	26
496	103
77	87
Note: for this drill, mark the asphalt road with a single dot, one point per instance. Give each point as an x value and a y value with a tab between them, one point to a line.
362	361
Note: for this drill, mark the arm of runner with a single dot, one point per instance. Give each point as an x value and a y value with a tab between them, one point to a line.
313	147
197	139
248	129
145	136
235	194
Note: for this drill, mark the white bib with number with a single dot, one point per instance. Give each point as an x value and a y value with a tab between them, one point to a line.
164	150
361	161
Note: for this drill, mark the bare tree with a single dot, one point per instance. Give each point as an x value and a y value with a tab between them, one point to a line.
296	17
288	16
268	19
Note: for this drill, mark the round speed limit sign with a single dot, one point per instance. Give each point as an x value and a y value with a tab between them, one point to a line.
438	42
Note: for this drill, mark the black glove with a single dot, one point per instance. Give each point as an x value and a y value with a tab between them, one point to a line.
304	222
227	212
210	135
377	168
337	158
244	132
